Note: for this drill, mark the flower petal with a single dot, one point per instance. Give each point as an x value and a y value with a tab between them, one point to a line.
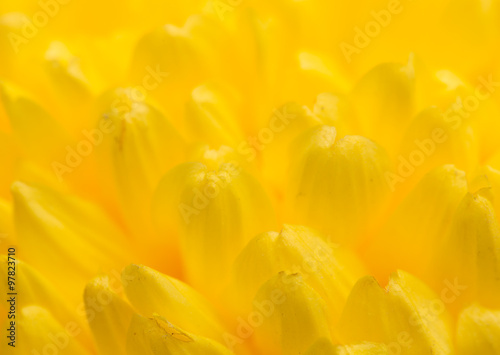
328	269
407	315
337	187
478	331
78	238
471	251
292	315
156	336
151	292
325	347
108	315
216	212
419	224
38	332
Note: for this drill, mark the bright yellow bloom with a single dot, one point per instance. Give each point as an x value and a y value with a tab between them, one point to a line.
250	177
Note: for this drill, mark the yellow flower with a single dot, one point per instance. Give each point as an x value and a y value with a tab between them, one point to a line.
250	177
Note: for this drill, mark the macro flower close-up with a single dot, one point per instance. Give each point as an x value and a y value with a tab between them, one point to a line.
268	177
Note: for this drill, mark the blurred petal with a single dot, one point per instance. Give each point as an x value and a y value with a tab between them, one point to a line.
151	292
39	332
9	154
325	347
383	100
108	315
292	316
212	117
478	331
157	336
216	212
419	224
141	147
337	187
471	251
34	289
328	269
71	85
435	138
407	315
7	235
78	238
33	126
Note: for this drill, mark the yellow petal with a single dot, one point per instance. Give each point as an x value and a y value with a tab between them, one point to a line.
471	252
157	336
383	100
419	224
435	138
478	35
322	347
10	152
478	331
78	238
33	173
169	52
151	292
325	347
363	349
315	72
70	84
170	61
164	12
216	212
7	235
61	156
38	332
34	289
273	142
215	157
337	187
463	107
334	110
108	315
324	266
408	317
268	24
139	145
491	177
212	117
494	161
22	56
33	126
288	317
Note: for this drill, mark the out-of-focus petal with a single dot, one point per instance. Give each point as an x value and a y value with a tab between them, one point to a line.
407	316
157	336
289	315
139	145
38	332
339	186
471	252
419	224
108	315
384	102
152	292
216	213
478	331
325	347
329	269
212	118
78	238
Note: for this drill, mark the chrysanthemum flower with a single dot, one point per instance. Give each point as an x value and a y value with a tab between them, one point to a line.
250	177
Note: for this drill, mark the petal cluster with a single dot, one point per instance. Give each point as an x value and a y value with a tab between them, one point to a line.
250	177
